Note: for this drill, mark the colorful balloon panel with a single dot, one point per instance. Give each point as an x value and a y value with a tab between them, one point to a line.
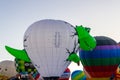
78	75
24	68
103	60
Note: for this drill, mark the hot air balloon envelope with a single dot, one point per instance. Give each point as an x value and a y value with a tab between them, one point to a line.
7	68
45	42
103	60
78	75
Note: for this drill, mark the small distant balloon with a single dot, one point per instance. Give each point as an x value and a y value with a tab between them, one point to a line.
7	69
78	75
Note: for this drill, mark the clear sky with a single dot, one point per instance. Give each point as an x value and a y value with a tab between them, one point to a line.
102	16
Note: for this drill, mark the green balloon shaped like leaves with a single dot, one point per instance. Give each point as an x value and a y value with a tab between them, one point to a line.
86	41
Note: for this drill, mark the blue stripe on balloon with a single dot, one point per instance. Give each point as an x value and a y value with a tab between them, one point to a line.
101	52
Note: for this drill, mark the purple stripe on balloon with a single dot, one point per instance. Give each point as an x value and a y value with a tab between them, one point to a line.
108	47
107	51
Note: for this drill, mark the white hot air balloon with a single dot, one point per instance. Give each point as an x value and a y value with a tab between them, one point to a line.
7	68
45	42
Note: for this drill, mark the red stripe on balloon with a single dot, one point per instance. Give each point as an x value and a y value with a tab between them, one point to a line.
101	71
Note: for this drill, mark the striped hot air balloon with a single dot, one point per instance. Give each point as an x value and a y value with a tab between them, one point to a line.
102	62
78	75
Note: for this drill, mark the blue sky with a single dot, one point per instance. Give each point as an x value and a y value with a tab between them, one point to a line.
102	16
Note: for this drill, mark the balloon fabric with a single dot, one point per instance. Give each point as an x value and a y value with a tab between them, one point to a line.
86	41
25	68
74	57
78	75
45	42
19	54
101	62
